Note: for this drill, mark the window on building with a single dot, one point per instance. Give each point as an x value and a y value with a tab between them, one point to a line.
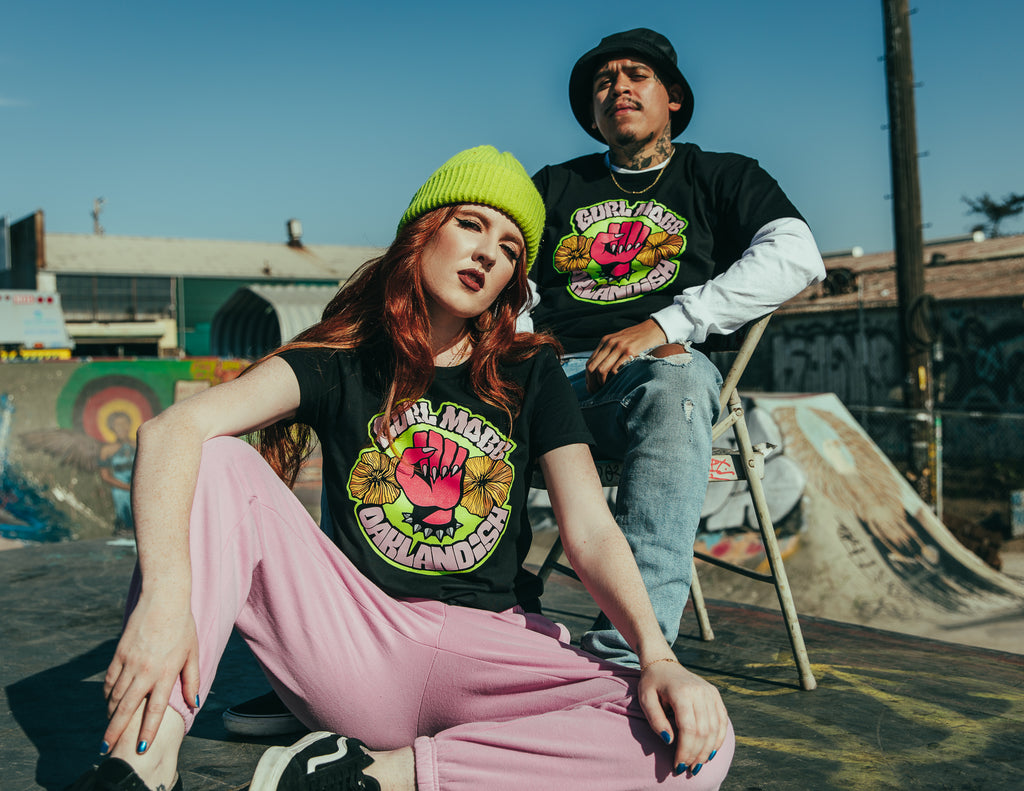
114	298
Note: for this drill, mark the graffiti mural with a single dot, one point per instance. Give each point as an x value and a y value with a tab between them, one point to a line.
24	509
106	412
983	366
69	447
856	355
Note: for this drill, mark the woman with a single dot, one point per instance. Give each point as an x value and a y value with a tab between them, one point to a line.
406	632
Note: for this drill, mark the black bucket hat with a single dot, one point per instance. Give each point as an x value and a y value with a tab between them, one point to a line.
646	45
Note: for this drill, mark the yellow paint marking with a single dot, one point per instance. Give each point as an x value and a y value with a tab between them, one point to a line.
861	759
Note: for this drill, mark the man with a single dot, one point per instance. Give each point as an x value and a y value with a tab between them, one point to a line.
648	249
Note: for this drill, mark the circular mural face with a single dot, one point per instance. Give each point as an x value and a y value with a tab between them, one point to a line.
110	406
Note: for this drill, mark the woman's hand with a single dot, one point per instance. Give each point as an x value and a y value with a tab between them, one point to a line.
158	645
685	710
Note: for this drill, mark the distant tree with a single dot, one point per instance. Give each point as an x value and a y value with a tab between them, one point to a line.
995	211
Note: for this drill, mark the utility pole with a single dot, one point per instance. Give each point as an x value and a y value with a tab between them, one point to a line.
913	306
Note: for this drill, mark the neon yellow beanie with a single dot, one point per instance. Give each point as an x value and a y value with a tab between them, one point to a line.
490	177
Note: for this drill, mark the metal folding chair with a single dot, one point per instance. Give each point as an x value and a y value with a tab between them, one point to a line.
745	462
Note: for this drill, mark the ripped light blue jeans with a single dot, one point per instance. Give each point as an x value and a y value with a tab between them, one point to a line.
656	416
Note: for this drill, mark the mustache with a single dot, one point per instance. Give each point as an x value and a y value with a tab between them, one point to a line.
619	103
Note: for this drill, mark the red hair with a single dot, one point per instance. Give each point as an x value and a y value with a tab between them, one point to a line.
384	300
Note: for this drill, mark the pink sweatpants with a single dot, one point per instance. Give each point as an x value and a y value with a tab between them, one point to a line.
488	700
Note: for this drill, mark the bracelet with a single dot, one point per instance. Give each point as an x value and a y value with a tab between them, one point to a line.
655	661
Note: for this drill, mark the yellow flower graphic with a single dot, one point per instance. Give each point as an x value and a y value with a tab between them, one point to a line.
573	254
486	484
658	247
373	479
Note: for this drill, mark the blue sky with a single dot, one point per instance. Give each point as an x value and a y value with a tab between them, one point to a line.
222	120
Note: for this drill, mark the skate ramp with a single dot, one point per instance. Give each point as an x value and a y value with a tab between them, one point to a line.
867	549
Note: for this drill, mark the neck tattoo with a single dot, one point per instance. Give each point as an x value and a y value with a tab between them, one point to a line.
661	172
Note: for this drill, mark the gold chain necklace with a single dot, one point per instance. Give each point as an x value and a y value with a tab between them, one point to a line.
611	172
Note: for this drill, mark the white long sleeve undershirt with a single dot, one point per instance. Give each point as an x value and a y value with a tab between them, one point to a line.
781	261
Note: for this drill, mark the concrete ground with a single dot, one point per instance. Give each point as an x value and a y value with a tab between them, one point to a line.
890	711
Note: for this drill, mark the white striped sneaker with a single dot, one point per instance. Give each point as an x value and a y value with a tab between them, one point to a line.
317	762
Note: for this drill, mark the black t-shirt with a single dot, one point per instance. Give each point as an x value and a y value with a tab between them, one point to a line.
609	259
451	522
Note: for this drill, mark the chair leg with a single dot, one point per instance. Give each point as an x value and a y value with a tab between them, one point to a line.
697	597
774	555
551	562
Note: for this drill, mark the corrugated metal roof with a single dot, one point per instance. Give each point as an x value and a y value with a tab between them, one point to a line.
297	307
990	269
259	318
68	253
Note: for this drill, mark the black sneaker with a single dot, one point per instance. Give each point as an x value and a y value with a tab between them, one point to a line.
113	774
263	716
317	762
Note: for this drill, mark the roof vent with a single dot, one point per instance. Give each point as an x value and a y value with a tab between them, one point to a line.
294	233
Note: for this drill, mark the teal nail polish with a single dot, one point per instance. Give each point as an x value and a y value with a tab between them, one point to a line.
143	746
680	768
197	701
713	754
104	748
696	769
665	737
